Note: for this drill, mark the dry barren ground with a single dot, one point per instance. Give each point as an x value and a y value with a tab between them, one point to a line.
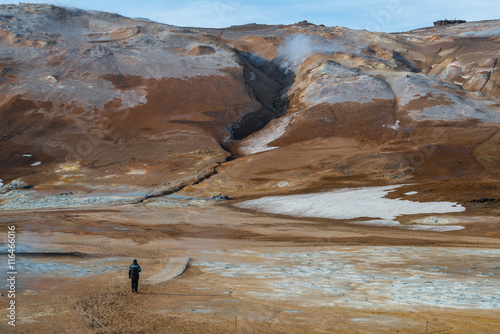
248	273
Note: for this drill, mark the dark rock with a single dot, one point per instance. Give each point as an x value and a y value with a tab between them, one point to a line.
448	22
201	50
485	200
304	23
220	198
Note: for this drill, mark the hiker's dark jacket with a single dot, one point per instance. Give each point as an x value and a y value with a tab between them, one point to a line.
134	270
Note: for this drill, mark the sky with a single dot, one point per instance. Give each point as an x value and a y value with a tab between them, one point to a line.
373	15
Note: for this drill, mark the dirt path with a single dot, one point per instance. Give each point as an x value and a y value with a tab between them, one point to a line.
174	267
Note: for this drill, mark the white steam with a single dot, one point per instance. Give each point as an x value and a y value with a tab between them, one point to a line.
295	50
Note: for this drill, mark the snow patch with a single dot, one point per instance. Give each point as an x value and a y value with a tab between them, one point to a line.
411	193
259	142
369	202
378	222
434	221
434	228
1	183
395	126
381	222
38	163
27	155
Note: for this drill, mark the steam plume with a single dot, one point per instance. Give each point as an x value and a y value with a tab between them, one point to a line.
297	49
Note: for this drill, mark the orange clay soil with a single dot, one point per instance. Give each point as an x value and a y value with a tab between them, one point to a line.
200	301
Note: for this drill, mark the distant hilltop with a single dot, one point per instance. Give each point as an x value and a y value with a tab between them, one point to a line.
448	22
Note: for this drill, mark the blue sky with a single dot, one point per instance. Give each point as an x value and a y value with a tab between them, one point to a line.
385	15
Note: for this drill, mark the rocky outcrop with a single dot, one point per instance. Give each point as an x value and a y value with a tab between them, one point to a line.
448	22
94	101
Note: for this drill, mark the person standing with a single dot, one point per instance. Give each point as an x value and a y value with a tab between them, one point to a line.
133	274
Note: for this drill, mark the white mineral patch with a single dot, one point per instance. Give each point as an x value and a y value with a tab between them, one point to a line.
81	269
365	277
49	79
136	171
68	167
355	203
20	200
362	88
483	33
411	88
164	203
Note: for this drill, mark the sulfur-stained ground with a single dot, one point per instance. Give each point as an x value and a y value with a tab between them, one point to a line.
249	273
